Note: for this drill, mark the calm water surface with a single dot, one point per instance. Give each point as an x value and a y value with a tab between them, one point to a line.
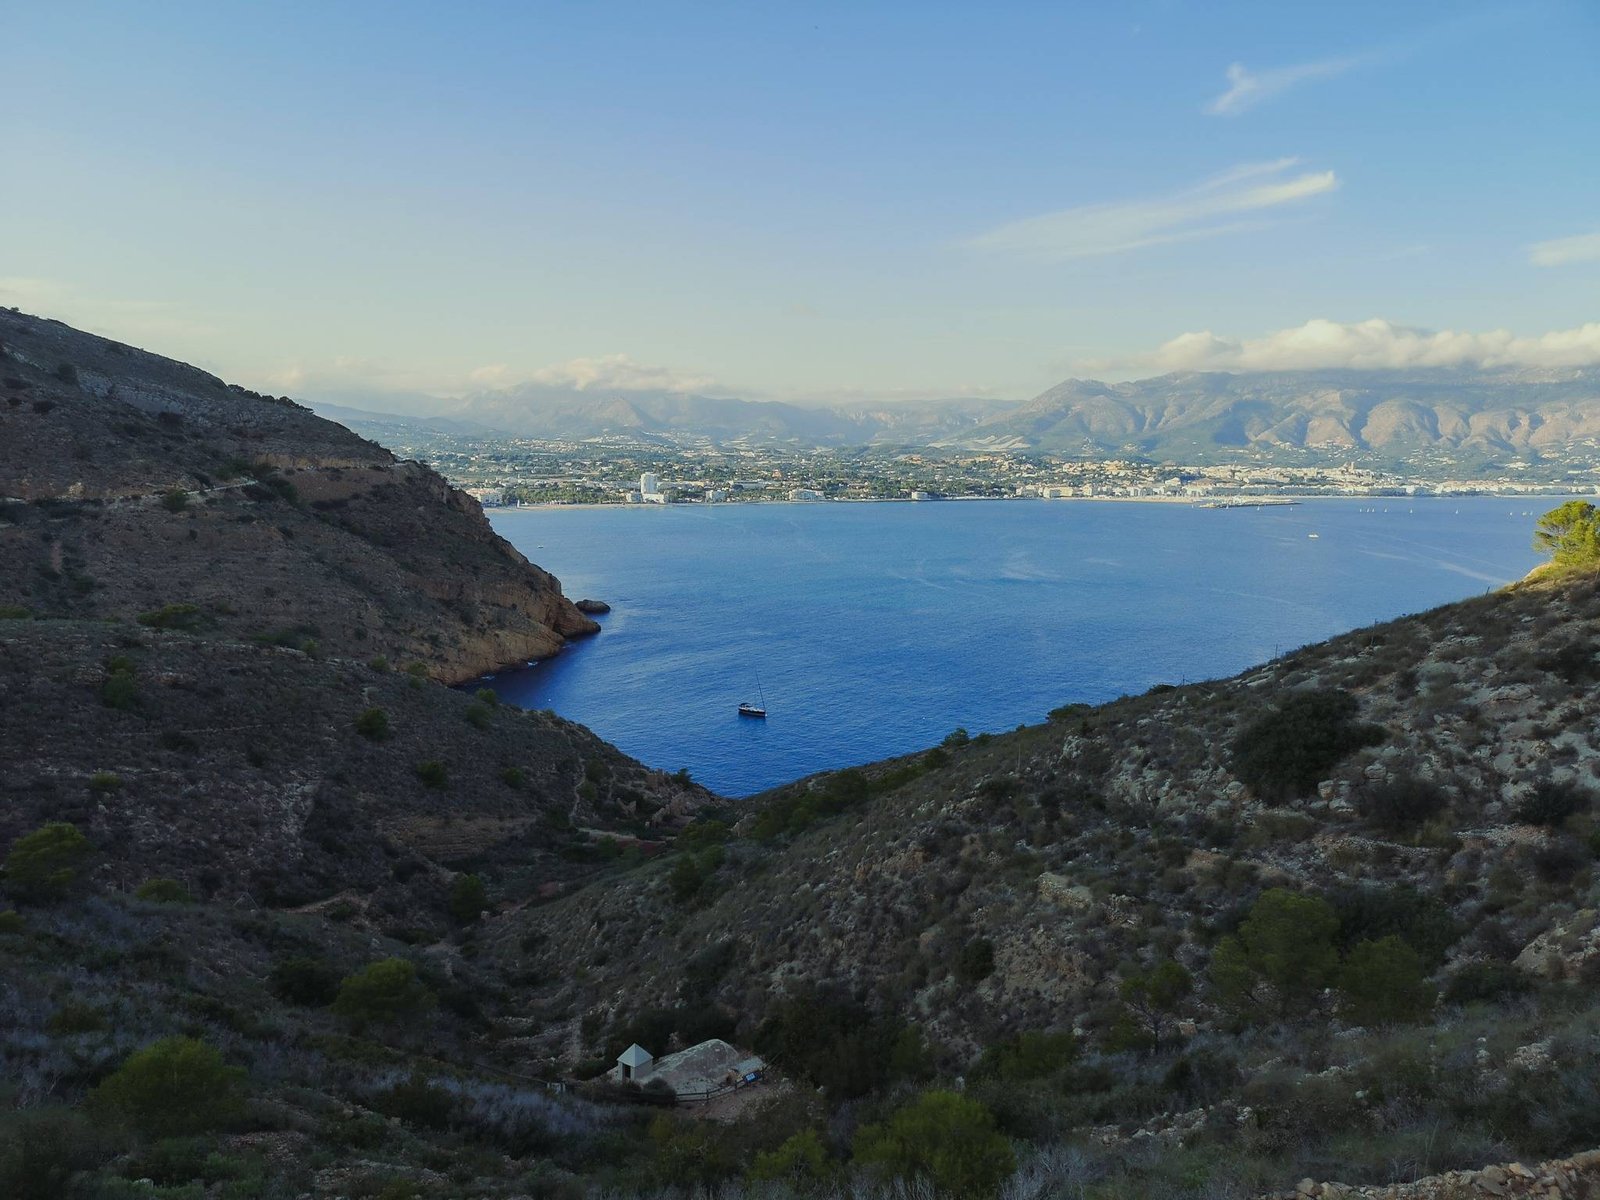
876	629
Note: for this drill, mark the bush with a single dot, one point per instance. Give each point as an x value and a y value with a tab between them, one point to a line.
478	714
43	865
118	689
1486	981
432	773
172	1087
1402	803
1031	1055
305	981
175	500
468	898
417	1102
42	1149
975	963
947	1139
373	725
1286	941
11	923
1551	803
105	782
382	991
172	616
1289	750
164	891
800	1161
1383	982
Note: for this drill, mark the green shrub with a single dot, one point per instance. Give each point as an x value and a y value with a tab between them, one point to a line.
1286	752
1487	981
478	714
309	982
1373	912
373	724
175	500
1287	942
975	962
1402	803
382	991
944	1138
42	1149
118	689
487	696
468	898
44	864
417	1102
513	776
173	616
105	782
1550	803
801	1160
164	891
74	1017
172	1087
1031	1055
1383	982
432	773
1149	1001
11	923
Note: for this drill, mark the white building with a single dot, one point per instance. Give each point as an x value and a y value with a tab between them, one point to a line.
649	484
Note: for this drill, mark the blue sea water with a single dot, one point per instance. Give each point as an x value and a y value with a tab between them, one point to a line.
875	629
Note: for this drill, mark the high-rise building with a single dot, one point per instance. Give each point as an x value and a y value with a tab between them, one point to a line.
649	485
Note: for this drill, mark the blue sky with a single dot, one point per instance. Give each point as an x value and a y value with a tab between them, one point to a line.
804	201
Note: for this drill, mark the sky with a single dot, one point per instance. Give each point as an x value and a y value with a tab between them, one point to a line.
818	201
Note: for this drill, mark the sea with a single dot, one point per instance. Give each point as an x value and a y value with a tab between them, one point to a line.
875	629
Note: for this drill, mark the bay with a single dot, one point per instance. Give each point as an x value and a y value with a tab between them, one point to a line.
876	629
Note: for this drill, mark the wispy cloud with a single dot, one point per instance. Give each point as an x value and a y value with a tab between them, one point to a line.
1584	247
1373	344
1217	206
618	372
1247	88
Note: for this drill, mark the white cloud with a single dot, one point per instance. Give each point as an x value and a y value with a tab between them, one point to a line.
1248	88
620	373
1585	247
1209	209
1373	344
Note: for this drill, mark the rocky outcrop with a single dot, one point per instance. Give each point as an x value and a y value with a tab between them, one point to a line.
139	485
1577	1178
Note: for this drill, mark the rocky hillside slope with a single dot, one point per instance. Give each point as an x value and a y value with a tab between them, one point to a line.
132	484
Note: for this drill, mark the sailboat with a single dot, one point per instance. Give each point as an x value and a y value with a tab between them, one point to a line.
759	711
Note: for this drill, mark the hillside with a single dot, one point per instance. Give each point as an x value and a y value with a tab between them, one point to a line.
130	483
1037	884
1467	419
281	916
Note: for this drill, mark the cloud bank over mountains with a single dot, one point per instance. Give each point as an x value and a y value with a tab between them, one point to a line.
1373	344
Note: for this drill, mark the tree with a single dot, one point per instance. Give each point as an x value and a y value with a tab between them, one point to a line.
468	898
801	1160
1570	534
44	864
1150	998
975	962
1287	942
1383	982
947	1139
173	1087
381	991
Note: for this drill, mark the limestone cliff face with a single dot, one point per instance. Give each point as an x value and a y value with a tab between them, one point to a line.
130	483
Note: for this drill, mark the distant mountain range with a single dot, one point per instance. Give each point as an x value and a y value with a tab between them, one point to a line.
1464	416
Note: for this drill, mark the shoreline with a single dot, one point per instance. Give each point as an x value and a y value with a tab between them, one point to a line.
1272	501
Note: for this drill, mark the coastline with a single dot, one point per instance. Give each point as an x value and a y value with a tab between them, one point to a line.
1274	500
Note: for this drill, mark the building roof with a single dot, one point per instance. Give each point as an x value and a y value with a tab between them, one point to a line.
636	1056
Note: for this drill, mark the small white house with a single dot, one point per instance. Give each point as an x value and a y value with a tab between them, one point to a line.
635	1062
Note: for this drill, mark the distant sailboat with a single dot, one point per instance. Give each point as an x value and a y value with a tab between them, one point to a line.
759	711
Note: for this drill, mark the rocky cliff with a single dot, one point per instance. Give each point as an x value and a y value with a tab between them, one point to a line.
131	485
